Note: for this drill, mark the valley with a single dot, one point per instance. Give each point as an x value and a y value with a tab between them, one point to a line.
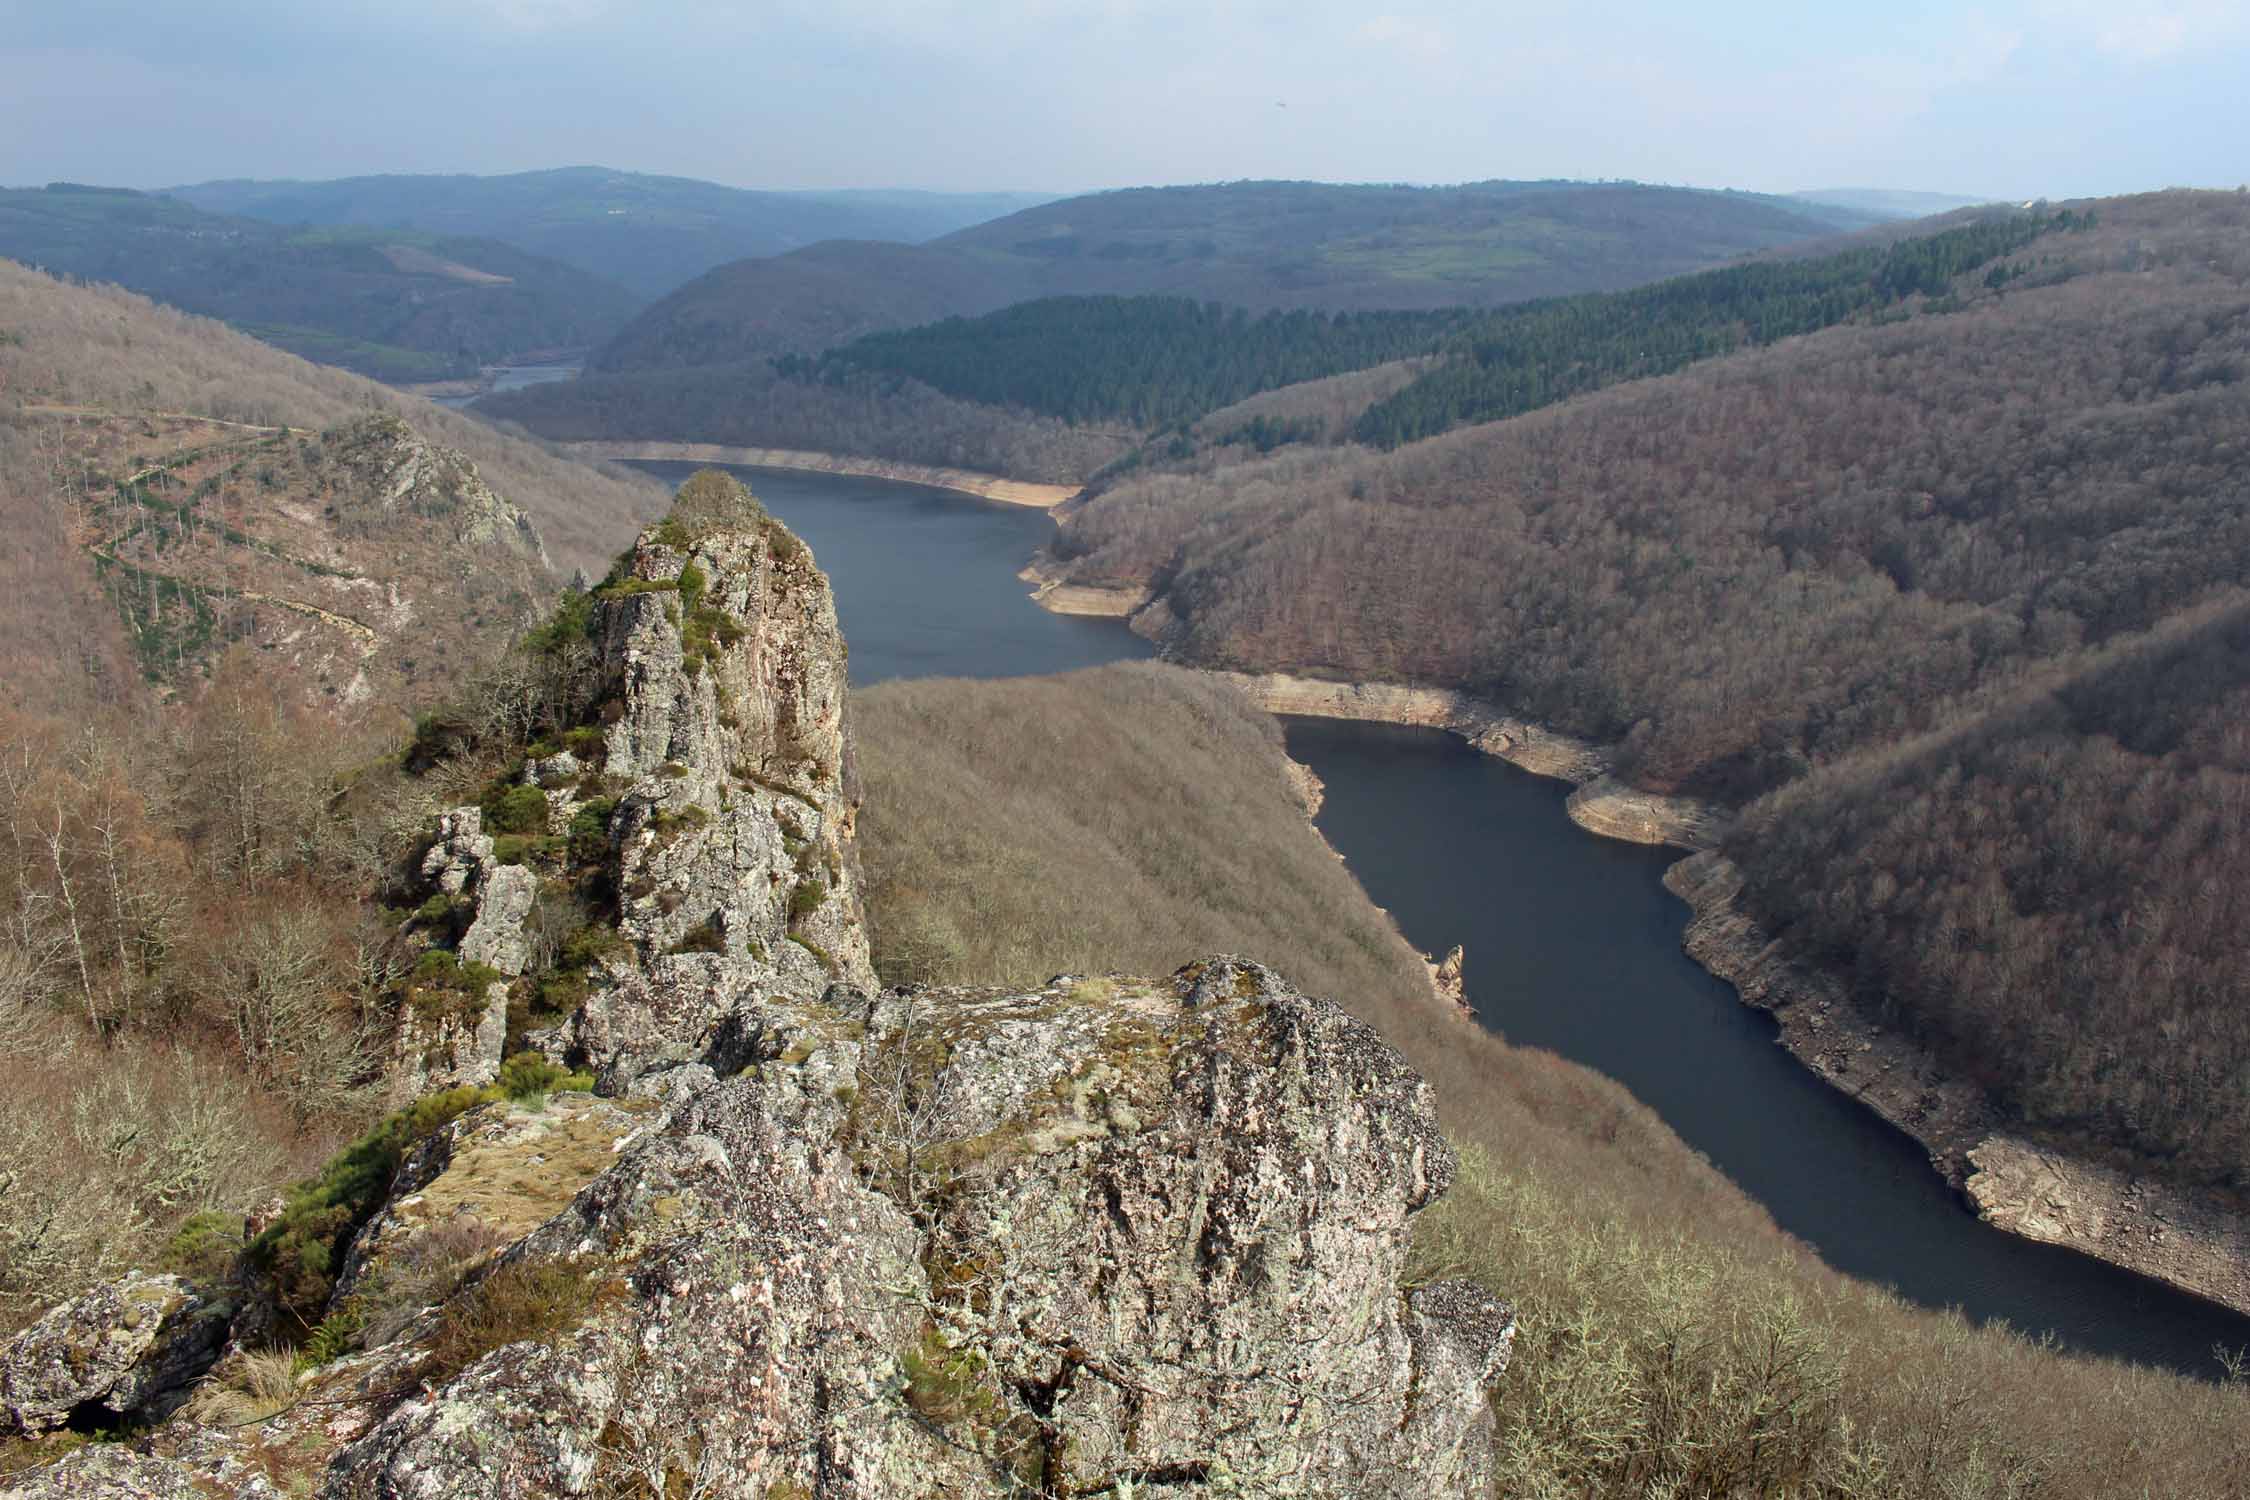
1583	936
1014	612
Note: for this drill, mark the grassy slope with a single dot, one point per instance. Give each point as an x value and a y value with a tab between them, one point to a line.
390	302
1671	1334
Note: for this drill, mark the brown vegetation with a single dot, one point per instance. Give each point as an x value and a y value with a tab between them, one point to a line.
190	967
1873	537
98	347
1673	1341
183	957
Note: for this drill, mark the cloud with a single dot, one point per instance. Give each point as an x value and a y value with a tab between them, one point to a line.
543	15
2156	33
1410	35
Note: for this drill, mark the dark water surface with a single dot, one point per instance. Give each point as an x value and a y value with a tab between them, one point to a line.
1573	943
925	579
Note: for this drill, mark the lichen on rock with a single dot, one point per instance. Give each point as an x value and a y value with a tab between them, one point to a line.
125	1349
1101	1236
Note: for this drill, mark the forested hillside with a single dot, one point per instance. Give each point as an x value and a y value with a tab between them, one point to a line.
1805	557
647	233
753	407
396	304
1139	362
1258	245
1123	365
1523	358
1152	362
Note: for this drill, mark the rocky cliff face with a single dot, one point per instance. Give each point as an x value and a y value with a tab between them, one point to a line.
1108	1236
711	797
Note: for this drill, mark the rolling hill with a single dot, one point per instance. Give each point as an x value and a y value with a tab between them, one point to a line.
395	304
1258	245
649	234
171	489
1949	600
986	392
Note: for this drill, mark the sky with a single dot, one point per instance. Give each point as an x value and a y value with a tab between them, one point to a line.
2017	99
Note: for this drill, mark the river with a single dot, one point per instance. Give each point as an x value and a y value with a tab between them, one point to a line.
1573	942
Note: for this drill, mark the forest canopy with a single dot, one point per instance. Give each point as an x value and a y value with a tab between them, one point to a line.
1145	362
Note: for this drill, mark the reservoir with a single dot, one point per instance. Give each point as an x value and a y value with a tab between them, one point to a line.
1573	942
925	579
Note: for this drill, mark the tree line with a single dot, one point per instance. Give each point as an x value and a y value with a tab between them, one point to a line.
1522	358
1140	362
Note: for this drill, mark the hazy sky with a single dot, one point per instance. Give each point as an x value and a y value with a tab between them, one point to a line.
2063	98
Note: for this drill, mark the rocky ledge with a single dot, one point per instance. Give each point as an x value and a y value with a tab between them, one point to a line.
2145	1226
1109	1234
802	1237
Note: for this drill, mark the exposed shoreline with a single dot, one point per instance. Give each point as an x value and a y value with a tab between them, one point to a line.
2138	1224
1056	597
2150	1228
963	481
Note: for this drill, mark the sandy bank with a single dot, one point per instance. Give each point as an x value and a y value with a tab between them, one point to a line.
964	481
1601	804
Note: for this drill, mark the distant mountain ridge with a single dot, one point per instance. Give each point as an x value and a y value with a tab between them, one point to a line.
396	304
1259	245
649	233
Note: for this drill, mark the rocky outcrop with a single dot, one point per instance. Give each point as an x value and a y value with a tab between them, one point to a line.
1447	979
400	471
122	1350
974	1242
1108	1234
1105	1236
712	795
462	1046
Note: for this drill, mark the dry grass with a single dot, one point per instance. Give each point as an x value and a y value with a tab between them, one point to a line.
1675	1342
519	1302
106	1148
250	1387
515	1185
